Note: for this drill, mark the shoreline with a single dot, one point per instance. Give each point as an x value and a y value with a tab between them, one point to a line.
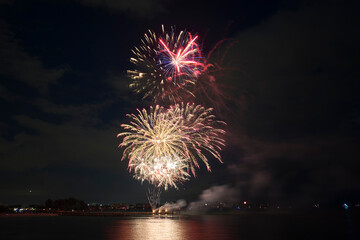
85	214
5	215
353	212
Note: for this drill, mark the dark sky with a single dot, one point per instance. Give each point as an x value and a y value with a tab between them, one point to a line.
292	109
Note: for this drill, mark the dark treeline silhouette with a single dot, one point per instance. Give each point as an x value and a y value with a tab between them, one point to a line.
66	204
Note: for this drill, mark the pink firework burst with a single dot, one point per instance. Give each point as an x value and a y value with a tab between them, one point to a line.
167	66
182	59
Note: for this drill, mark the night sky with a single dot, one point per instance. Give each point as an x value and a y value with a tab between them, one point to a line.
292	106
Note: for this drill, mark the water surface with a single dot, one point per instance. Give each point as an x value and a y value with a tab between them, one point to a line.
242	226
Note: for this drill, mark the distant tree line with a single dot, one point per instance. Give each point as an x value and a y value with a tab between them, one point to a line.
66	204
60	204
4	209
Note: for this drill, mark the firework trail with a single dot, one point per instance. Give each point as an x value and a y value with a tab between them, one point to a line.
181	132
167	66
153	196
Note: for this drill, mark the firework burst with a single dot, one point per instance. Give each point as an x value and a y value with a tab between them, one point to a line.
152	135
182	133
203	131
180	59
167	65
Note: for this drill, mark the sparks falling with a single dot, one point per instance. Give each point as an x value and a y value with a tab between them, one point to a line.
164	172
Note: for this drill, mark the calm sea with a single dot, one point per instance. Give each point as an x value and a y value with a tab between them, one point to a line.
341	225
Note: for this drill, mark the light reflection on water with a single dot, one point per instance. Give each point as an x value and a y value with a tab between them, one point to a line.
225	227
244	226
157	228
148	228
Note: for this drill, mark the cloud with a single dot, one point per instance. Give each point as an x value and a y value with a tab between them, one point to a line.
17	64
69	144
6	1
6	94
297	139
297	56
297	171
142	8
41	133
301	71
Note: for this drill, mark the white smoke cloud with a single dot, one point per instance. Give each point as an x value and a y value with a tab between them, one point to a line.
215	194
172	206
